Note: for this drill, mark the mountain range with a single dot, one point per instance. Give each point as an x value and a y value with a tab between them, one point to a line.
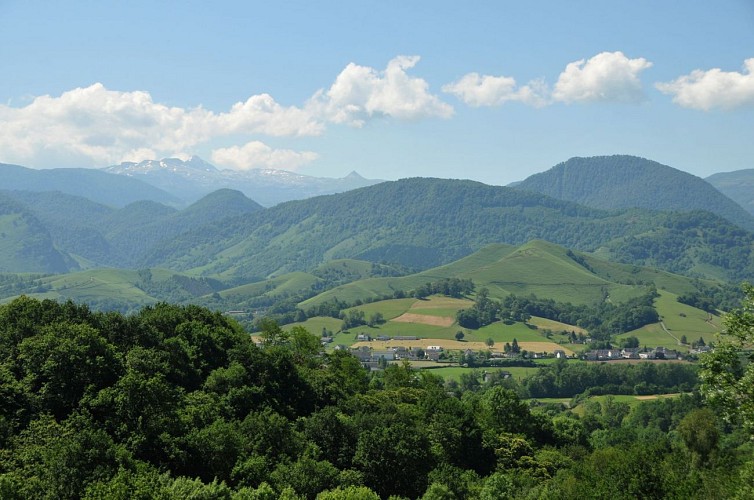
192	179
418	224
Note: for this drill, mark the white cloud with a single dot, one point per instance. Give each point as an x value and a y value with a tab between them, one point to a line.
361	92
485	90
608	76
256	154
713	88
95	126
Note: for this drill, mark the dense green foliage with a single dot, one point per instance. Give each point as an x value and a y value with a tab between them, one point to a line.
178	402
622	181
691	243
602	320
565	380
728	371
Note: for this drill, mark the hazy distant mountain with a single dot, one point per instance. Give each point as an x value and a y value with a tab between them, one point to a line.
97	235
192	179
622	181
102	187
737	185
25	242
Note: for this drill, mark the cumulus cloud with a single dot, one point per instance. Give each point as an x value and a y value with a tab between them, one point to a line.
256	154
485	90
608	76
361	92
714	88
97	126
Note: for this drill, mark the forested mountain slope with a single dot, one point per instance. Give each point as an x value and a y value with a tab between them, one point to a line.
416	222
99	235
621	181
25	242
422	223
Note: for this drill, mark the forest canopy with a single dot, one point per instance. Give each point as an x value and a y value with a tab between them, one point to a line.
179	402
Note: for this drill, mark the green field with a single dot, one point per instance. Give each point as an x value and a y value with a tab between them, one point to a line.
389	308
679	319
454	372
95	285
622	398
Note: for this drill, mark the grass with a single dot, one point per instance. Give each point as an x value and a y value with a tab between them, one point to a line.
389	308
537	267
680	320
623	398
502	333
93	285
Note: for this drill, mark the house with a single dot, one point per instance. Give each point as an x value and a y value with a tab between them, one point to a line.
406	353
362	353
663	353
560	354
602	355
434	348
433	355
630	353
382	337
363	337
388	355
404	337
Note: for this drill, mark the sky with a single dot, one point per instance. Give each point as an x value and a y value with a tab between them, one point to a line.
493	91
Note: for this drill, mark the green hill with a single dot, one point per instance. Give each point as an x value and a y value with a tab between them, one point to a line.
424	223
620	181
418	223
546	270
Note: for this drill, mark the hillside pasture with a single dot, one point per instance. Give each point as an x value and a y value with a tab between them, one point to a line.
388	308
425	319
555	326
679	320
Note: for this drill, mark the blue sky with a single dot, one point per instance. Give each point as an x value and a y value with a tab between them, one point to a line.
493	91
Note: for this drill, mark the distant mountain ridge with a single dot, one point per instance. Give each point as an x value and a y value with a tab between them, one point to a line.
622	181
91	234
737	185
98	186
194	178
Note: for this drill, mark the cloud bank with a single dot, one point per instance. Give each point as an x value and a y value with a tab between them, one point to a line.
256	154
95	126
606	77
714	88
